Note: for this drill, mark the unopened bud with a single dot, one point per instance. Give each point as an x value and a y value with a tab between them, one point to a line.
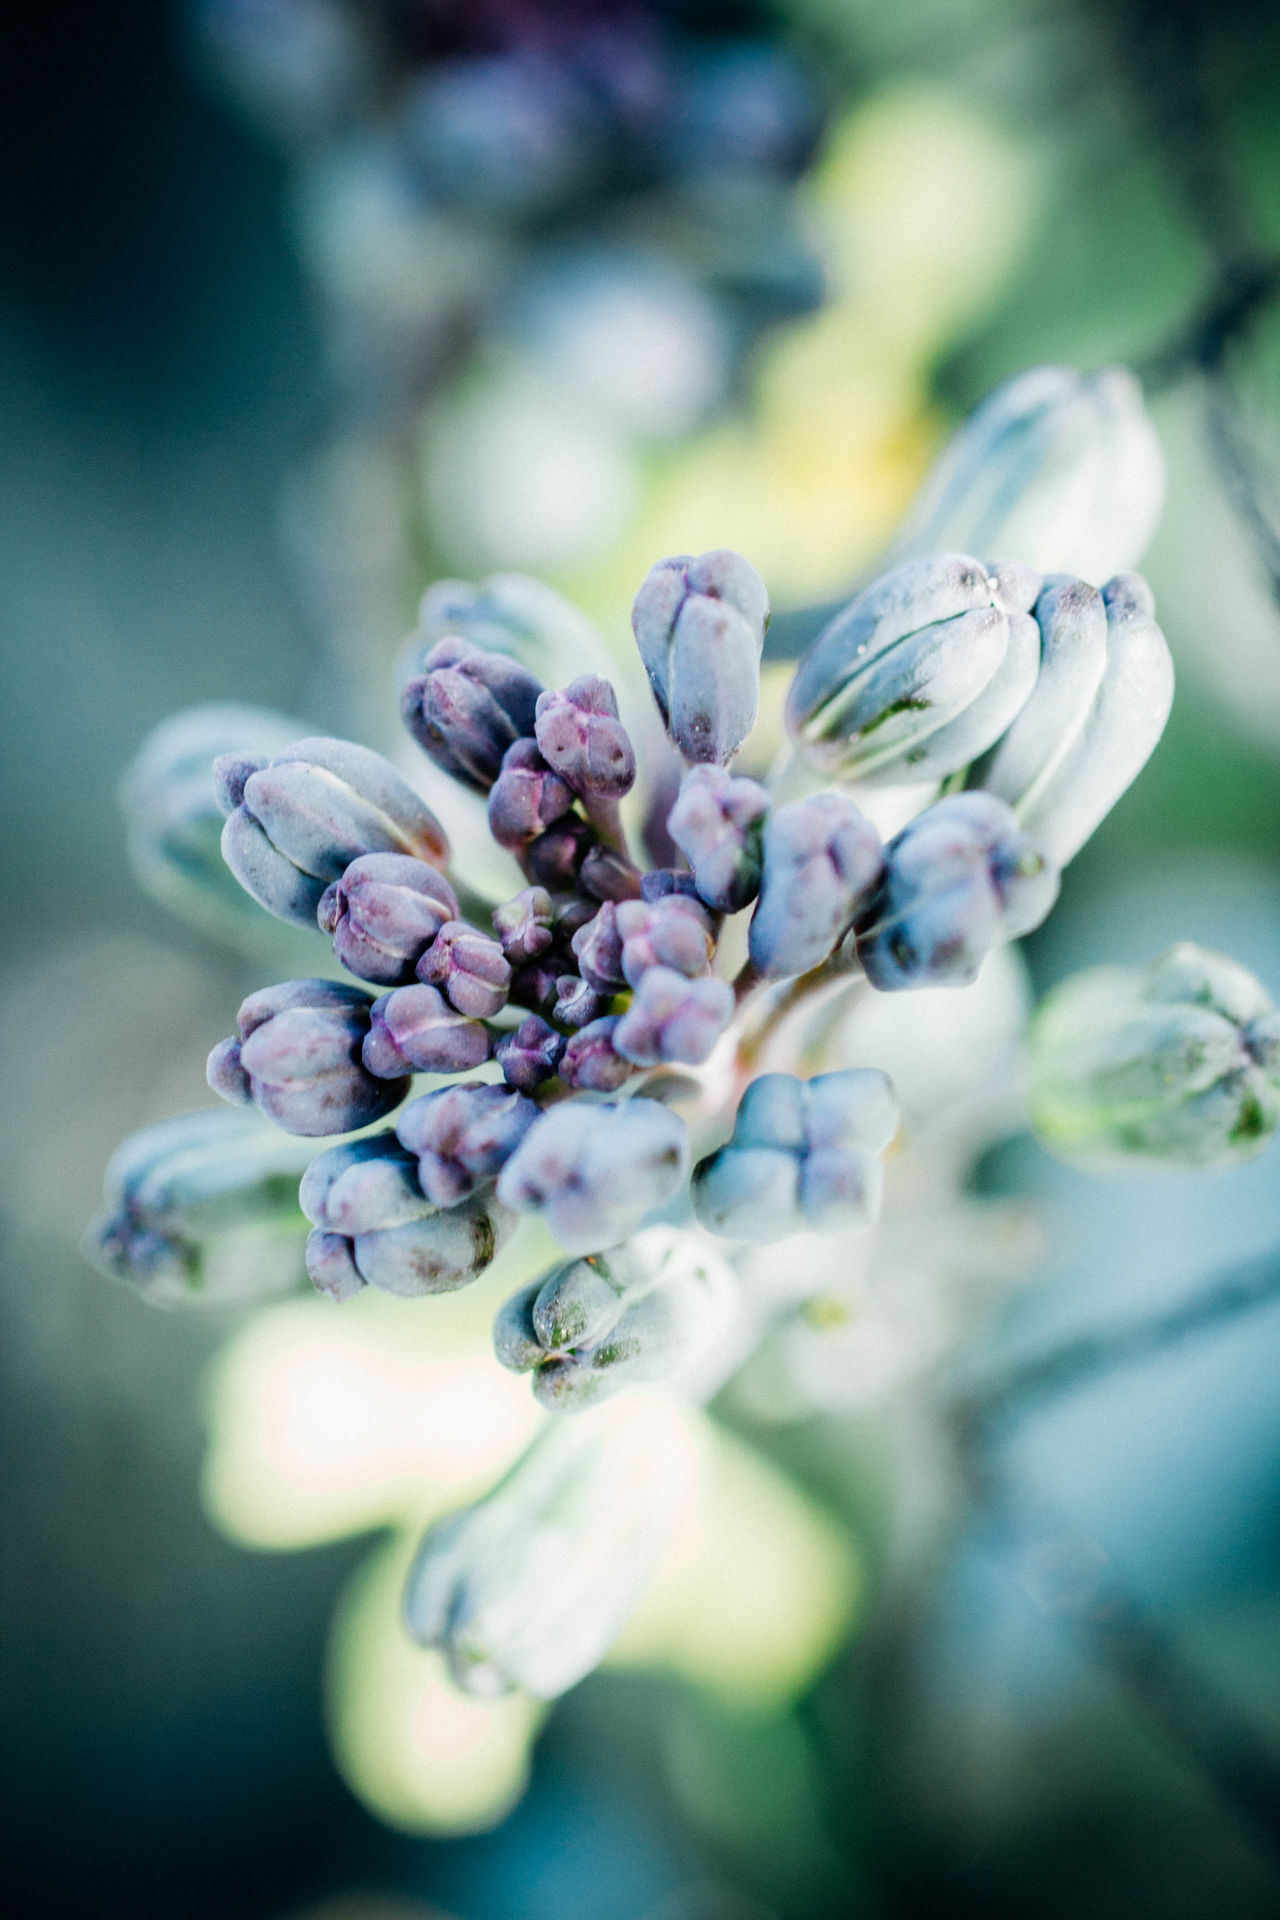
297	1056
174	817
202	1210
804	1154
436	1253
1117	735
1059	469
822	859
594	1172
415	1030
960	879
555	859
591	1062
467	706
469	968
674	932
1175	1064
577	1003
523	925
921	672
296	824
673	1019
527	797
384	913
700	626
718	825
581	736
642	1312
597	947
463	1137
530	1054
529	1586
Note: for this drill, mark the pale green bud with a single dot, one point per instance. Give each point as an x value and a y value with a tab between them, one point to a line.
645	1311
1175	1064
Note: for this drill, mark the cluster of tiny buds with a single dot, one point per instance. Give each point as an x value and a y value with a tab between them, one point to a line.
596	974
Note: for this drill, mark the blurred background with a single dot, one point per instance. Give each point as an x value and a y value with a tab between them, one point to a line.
305	303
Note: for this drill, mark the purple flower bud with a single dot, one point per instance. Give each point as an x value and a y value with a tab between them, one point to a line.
466	707
571	911
664	881
959	879
469	968
582	737
591	1062
673	931
537	983
607	874
362	1186
555	858
673	1018
463	1137
530	1054
383	913
577	1003
526	798
436	1254
298	1058
822	858
523	926
593	1172
718	825
415	1030
304	816
597	948
700	625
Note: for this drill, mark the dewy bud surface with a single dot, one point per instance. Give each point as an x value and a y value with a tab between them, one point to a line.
700	625
1175	1064
921	672
1059	469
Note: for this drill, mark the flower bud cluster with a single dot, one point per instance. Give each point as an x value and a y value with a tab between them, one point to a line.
596	973
596	1010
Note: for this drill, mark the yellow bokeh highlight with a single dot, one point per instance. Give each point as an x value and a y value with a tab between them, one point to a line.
757	1590
920	208
421	1755
328	1420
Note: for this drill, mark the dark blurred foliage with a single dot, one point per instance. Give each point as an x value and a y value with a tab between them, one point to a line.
160	1691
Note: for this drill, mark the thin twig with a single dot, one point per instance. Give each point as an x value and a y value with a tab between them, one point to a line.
1071	1576
1031	1384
